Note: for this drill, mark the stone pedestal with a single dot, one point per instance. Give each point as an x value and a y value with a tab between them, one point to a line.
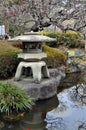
38	70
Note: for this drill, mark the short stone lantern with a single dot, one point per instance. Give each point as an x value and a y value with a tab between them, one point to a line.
32	64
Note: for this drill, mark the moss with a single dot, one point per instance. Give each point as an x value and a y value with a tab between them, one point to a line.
54	57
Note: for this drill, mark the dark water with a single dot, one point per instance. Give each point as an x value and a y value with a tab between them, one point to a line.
65	111
34	120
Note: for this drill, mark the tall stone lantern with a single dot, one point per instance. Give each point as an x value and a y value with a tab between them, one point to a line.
32	64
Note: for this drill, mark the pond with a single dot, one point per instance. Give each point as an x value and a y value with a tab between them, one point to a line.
70	114
65	111
34	120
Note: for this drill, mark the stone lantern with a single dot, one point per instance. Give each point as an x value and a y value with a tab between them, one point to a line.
32	64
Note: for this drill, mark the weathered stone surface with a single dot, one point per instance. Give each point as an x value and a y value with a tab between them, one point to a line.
57	72
73	66
31	56
36	68
52	28
45	89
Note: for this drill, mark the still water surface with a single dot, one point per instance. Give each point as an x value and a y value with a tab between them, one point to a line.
65	111
70	114
34	120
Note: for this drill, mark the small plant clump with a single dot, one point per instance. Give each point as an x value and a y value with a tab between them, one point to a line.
13	99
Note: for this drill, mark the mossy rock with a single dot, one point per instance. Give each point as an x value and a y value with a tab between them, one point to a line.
13	117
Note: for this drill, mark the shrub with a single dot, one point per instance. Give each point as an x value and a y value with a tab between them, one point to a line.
8	64
72	39
13	99
68	38
11	30
52	35
54	57
8	60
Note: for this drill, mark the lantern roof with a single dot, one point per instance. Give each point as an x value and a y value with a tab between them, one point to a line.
33	37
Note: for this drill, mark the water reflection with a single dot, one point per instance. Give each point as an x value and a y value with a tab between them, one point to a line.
71	111
78	94
66	111
34	120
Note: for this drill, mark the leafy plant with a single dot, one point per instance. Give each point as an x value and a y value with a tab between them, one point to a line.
52	35
68	38
13	99
8	59
8	64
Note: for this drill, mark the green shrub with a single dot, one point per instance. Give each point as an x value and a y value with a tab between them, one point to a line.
54	57
11	30
52	35
72	39
13	99
68	38
8	65
8	59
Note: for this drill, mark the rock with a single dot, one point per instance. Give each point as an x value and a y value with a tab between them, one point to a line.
81	67
46	88
57	72
52	28
13	117
75	67
79	53
69	23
